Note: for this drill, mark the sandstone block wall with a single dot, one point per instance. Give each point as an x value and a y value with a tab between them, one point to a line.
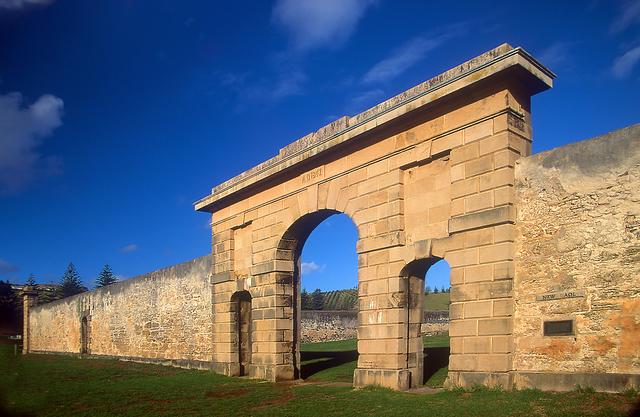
429	174
441	171
426	175
165	314
578	258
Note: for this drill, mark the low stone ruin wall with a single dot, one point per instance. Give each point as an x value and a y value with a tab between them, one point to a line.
322	326
435	322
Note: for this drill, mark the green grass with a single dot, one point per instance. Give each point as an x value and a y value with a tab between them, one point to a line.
47	385
332	366
335	346
437	379
441	340
436	302
337	370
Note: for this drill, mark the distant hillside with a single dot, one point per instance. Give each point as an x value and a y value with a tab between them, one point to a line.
341	299
436	302
348	300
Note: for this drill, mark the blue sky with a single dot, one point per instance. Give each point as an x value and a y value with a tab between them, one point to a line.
116	115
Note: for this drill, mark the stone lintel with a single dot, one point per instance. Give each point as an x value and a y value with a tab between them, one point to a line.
222	277
503	59
272	266
422	249
385	241
485	218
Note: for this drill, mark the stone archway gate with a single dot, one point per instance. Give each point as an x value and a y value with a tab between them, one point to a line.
424	175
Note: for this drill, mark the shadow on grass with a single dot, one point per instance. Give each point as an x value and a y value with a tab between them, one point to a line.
320	361
435	358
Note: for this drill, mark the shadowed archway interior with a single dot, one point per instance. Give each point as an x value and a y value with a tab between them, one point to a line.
241	304
84	335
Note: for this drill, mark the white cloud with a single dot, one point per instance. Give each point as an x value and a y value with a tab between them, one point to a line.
365	99
289	85
555	55
19	4
400	60
289	82
311	267
411	53
629	15
624	64
22	132
7	267
129	248
317	23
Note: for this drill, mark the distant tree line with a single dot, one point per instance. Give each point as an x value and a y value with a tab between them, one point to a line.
313	301
70	284
435	290
343	299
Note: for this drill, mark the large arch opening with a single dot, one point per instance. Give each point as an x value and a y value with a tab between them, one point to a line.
426	282
322	246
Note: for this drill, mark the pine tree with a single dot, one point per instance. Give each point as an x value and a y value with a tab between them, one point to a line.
106	277
435	290
31	281
317	299
305	300
70	283
443	290
427	290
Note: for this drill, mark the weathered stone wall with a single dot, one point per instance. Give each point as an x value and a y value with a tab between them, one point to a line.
165	314
321	326
578	257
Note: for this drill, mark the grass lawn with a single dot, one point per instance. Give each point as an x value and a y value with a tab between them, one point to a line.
48	385
436	302
329	361
336	361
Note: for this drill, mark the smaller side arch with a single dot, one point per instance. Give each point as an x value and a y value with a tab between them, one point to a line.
84	335
241	308
413	277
